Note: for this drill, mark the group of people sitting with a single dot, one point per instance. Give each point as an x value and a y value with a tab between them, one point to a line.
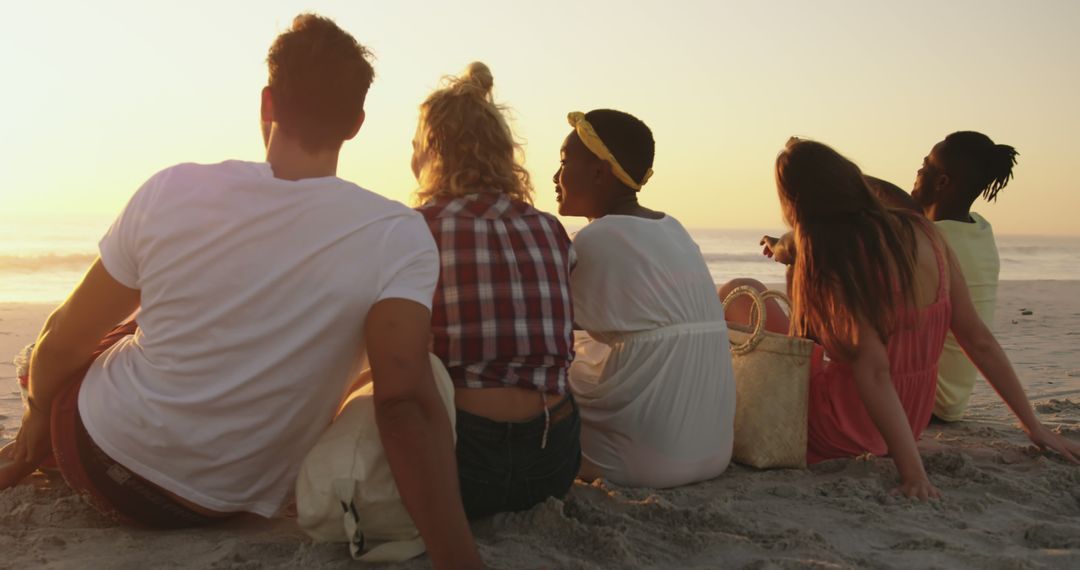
249	296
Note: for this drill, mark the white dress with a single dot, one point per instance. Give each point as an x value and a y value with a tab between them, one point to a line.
652	374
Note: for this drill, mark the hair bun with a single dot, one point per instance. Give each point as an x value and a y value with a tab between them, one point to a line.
479	75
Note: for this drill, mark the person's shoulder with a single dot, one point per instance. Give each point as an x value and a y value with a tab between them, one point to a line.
641	228
673	222
379	208
541	218
396	217
956	230
604	243
193	174
375	199
486	205
601	232
166	180
673	231
599	228
981	222
372	204
225	167
438	207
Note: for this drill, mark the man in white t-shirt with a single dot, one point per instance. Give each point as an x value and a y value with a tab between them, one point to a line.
260	287
957	171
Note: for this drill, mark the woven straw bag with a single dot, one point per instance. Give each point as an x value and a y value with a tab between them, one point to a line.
772	382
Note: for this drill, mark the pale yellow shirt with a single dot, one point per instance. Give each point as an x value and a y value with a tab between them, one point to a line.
973	243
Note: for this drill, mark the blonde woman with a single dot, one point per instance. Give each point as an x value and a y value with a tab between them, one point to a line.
501	319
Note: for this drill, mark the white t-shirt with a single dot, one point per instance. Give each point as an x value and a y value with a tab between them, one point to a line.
254	295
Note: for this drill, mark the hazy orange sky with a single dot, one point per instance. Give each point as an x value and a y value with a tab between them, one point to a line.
98	96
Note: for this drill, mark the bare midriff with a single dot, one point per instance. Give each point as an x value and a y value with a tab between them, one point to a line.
509	404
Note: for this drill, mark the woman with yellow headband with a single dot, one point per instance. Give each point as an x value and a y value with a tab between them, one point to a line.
652	372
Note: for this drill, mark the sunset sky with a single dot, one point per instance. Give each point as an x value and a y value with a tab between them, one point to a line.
97	96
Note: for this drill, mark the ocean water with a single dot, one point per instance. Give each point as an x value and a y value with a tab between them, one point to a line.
42	260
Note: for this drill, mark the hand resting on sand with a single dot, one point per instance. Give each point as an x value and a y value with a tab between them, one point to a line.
1045	438
31	446
921	489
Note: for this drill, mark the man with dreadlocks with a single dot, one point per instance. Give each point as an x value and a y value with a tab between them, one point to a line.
957	171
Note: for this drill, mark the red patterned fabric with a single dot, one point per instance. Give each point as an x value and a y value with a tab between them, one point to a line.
502	314
839	425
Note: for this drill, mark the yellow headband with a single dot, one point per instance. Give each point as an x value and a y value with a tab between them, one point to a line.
593	142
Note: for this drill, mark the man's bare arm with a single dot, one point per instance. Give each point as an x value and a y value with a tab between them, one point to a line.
67	341
415	430
72	332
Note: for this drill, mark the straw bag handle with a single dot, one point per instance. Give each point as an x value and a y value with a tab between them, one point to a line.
758	326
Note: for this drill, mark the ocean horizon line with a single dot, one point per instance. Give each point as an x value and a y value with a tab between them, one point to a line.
43	221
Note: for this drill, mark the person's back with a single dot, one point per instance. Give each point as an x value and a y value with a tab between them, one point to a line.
840	425
976	251
636	274
526	255
652	369
502	316
956	172
252	289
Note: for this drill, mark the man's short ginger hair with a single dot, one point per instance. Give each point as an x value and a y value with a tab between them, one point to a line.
319	78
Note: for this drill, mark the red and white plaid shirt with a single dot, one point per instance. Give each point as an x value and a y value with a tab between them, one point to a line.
502	314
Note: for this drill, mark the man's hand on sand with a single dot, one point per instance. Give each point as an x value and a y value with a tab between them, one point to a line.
12	471
31	446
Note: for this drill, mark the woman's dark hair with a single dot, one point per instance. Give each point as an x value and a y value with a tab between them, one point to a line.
629	140
855	257
980	165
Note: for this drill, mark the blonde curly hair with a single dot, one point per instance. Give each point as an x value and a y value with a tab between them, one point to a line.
465	143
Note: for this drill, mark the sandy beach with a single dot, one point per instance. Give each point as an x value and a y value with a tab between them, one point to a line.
1006	504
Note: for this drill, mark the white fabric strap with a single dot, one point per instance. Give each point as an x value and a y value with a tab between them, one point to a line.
547	421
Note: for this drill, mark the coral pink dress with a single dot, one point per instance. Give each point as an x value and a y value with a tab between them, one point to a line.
839	425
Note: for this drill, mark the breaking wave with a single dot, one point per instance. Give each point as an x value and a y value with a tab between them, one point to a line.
47	262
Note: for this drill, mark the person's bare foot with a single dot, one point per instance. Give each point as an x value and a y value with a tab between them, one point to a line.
11	471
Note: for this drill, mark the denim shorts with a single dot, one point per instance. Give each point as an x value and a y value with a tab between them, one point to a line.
505	466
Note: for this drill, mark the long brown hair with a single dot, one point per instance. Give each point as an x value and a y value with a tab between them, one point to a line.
854	257
468	142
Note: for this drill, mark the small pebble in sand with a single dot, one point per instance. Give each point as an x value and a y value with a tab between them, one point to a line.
1026	312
